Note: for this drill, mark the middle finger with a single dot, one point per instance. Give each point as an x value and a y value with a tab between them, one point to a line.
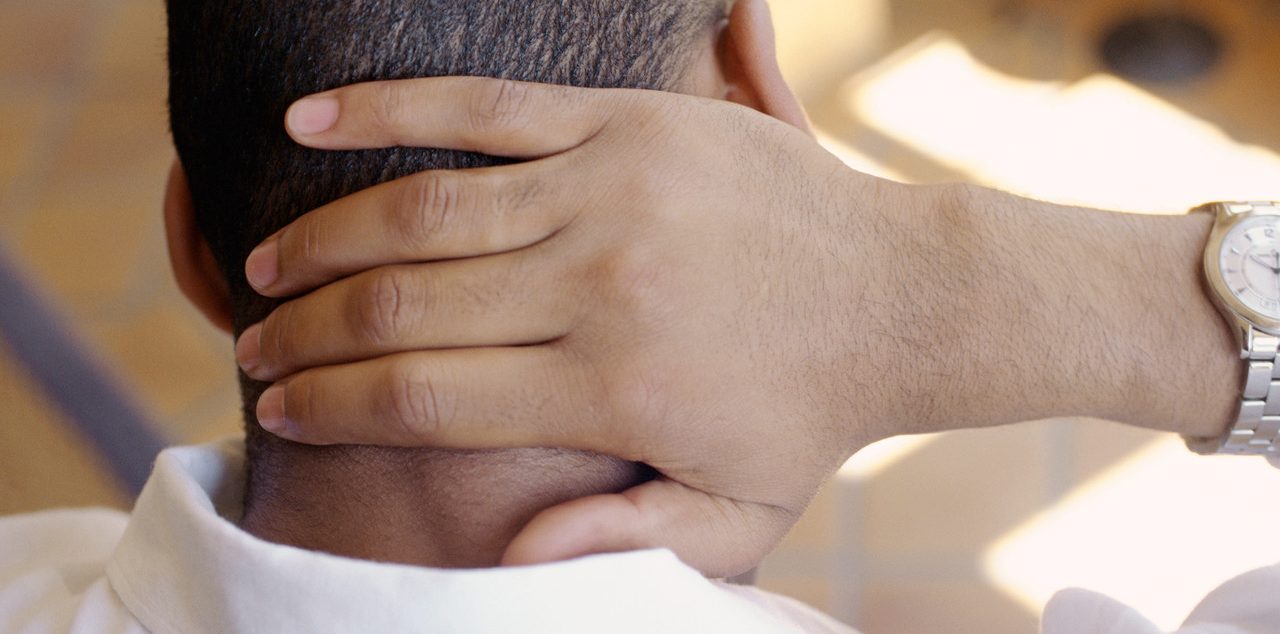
502	300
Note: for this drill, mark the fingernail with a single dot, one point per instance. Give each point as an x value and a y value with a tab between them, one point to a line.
271	411
312	115
263	266
249	349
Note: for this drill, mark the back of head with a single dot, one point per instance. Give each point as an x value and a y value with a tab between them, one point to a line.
236	66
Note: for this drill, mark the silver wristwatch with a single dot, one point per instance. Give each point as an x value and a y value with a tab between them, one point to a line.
1242	268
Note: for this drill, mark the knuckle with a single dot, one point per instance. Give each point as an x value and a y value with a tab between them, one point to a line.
518	197
650	201
631	278
416	405
387	311
276	347
650	113
655	121
300	400
639	398
511	210
500	105
311	241
429	202
387	107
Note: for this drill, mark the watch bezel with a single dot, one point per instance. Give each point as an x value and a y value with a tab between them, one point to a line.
1226	220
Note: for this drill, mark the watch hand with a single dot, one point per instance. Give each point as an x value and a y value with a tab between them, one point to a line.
1274	269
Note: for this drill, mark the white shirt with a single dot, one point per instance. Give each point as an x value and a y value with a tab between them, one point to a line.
179	564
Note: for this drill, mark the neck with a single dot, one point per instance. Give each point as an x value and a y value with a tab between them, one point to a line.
436	508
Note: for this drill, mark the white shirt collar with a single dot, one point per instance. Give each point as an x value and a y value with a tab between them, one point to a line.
183	566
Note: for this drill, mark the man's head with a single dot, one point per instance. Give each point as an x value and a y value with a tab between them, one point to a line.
236	65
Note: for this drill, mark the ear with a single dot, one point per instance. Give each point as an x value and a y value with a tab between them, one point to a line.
193	263
748	62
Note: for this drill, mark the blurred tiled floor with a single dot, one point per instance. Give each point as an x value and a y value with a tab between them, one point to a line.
915	537
83	153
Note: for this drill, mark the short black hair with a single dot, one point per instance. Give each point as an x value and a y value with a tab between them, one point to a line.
236	65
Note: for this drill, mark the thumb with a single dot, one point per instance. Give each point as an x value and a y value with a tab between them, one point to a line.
718	536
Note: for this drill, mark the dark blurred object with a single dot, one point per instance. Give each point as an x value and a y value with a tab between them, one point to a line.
1162	48
105	415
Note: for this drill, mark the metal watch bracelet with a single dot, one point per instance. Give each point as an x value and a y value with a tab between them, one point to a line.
1256	429
1257	426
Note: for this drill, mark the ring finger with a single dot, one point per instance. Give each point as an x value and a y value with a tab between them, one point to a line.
501	300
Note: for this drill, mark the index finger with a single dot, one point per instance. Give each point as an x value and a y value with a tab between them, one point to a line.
429	216
498	117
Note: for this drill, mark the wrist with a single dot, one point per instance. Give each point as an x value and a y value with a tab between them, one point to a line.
1205	375
1055	311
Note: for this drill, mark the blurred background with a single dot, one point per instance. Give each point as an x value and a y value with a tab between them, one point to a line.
1149	106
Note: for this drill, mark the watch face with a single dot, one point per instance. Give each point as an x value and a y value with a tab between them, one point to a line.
1250	264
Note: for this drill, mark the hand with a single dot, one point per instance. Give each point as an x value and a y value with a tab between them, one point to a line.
695	286
676	283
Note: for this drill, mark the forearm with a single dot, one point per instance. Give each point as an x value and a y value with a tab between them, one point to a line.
1070	312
